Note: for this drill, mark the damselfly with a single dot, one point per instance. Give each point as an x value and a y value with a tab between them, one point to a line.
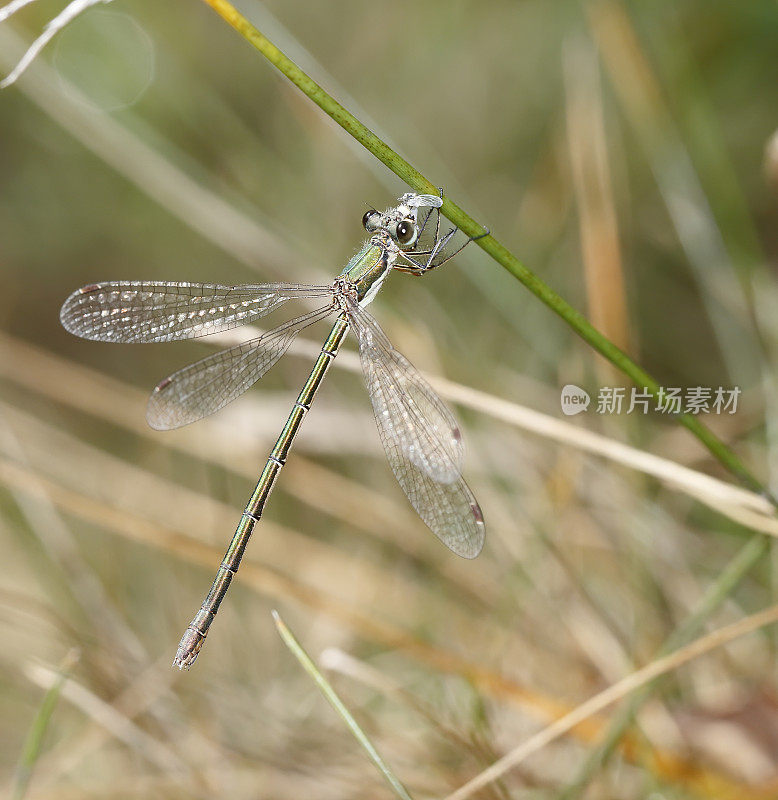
420	436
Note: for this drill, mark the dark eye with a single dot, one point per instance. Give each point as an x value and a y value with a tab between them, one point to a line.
406	230
366	219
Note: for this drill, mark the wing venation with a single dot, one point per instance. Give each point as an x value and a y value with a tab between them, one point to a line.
159	311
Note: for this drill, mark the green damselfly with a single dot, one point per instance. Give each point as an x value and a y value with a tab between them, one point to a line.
420	436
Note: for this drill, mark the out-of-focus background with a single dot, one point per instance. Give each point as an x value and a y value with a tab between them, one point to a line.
627	153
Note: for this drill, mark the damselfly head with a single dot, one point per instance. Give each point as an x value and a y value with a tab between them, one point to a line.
398	223
401	221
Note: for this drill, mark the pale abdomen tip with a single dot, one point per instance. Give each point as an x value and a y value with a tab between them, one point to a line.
188	648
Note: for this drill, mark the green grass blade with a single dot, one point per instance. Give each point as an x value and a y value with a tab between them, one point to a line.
34	741
337	704
471	227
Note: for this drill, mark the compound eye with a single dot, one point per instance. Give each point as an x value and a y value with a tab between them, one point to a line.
368	223
406	231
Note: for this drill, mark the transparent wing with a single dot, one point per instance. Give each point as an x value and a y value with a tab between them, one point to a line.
207	385
433	423
421	439
158	311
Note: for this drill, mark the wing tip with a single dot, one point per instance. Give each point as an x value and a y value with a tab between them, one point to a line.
468	546
155	409
476	543
68	316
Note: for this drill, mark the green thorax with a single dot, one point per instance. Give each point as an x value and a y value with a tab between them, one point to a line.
367	269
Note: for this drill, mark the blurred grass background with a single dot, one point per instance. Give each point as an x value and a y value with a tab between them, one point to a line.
623	151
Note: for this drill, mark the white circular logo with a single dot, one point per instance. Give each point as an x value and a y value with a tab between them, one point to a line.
574	400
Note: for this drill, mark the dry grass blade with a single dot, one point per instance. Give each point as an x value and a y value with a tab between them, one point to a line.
271	583
67	15
12	7
696	484
106	716
57	539
587	144
150	689
283	547
618	691
641	97
82	388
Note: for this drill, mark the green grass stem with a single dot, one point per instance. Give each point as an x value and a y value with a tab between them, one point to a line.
326	689
34	741
471	227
